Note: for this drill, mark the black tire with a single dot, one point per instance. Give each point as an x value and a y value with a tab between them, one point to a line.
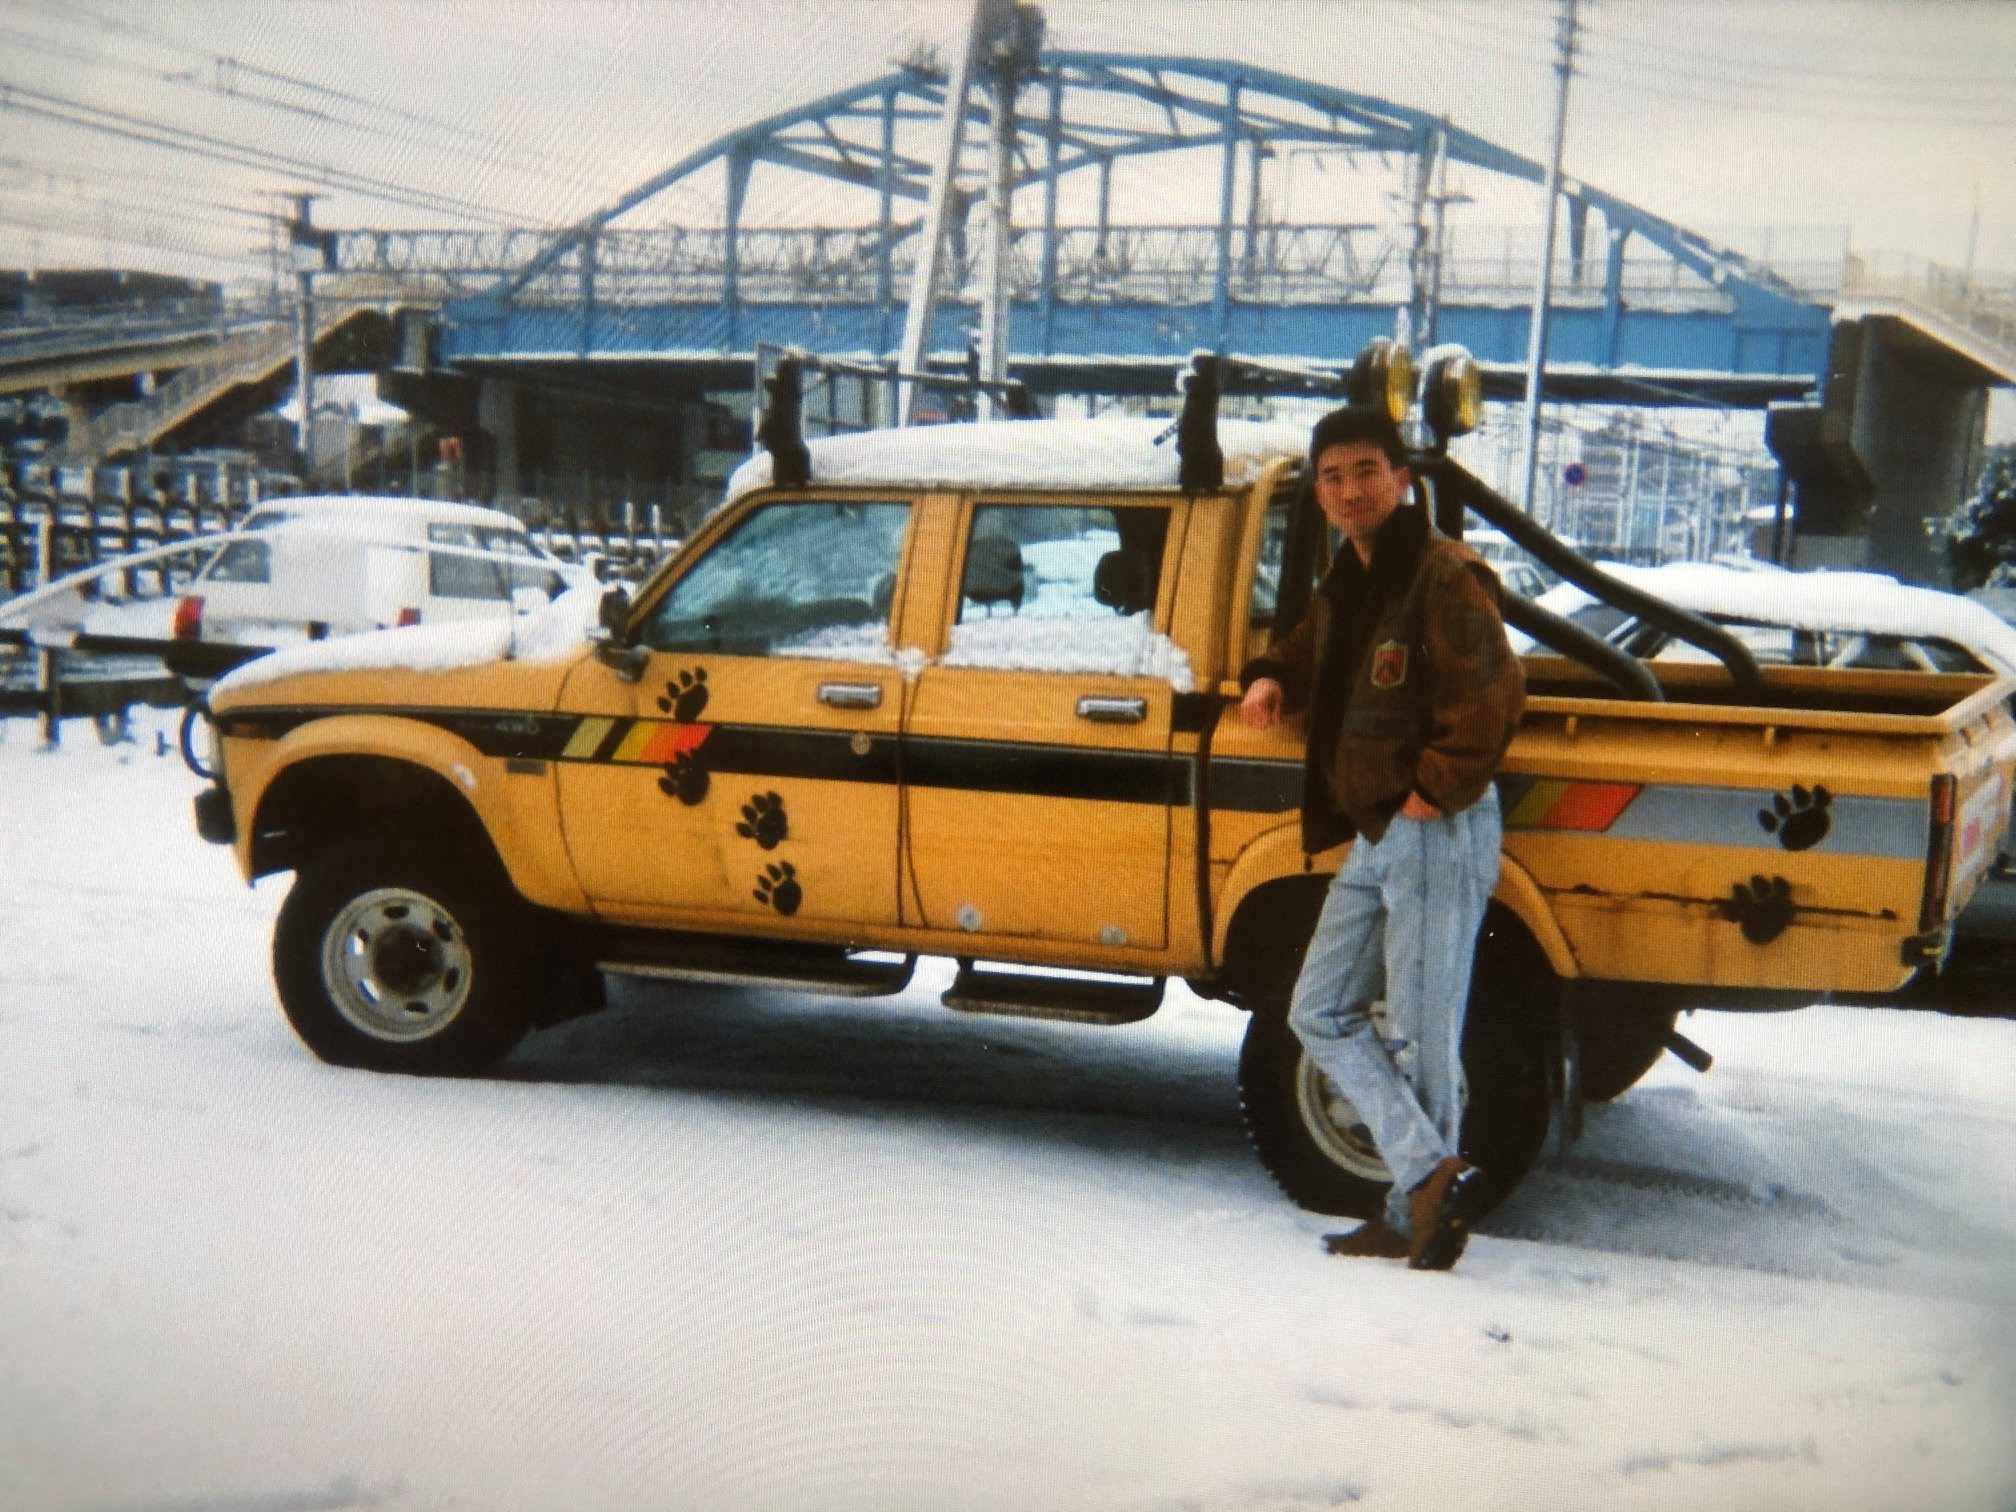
394	954
1317	1153
1620	1040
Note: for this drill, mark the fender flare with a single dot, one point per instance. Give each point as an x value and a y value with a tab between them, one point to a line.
427	747
1521	895
1277	855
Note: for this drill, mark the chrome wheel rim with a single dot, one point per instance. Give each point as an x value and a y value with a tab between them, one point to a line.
396	965
1333	1123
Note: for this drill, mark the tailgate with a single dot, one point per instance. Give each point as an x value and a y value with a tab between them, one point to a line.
1970	818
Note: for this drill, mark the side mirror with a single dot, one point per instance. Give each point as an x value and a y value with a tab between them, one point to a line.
612	614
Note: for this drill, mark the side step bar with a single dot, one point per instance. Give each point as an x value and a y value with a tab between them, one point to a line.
1035	995
734	963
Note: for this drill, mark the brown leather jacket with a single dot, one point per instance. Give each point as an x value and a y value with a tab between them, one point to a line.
1408	679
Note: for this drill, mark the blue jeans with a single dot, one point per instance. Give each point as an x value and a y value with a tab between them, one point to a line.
1400	923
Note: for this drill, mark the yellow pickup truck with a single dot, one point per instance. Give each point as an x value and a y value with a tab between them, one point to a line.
968	691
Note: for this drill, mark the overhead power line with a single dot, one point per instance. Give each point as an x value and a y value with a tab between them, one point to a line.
115	123
226	75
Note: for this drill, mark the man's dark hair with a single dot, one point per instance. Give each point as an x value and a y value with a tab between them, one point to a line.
1358	422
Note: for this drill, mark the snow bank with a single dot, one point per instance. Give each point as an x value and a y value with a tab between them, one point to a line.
1120	453
552	633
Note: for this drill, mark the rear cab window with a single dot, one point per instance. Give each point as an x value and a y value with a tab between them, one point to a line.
1062	587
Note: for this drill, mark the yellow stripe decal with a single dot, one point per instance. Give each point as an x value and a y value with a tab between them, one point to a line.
633	743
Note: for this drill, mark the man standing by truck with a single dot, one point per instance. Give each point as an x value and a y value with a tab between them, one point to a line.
1412	695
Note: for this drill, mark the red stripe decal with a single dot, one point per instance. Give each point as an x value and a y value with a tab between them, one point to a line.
670	740
1589	805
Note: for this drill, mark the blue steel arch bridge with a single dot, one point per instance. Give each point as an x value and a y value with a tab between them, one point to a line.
1645	308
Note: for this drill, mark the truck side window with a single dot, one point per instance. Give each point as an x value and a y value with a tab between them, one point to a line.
1267	566
1060	588
242	562
790	579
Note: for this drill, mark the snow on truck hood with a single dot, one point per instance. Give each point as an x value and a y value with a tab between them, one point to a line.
552	633
1115	453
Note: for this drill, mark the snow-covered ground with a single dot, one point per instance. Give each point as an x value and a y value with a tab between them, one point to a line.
740	1250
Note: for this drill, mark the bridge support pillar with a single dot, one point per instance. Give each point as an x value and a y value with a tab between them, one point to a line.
1920	421
497	415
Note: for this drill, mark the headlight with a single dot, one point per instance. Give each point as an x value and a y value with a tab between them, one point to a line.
1452	394
1383	378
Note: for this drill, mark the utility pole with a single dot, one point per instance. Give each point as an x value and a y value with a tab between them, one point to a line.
309	252
1011	57
1536	340
992	19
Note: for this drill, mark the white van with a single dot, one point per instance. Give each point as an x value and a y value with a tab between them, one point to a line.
302	569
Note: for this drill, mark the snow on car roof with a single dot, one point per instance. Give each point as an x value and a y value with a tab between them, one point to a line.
382	506
1833	602
1111	453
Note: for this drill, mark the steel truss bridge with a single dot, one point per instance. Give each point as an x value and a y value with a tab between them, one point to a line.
1646	310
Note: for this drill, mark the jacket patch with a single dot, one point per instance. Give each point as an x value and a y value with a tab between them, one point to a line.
1389	664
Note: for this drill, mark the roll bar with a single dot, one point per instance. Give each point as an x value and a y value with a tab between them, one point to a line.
1457	488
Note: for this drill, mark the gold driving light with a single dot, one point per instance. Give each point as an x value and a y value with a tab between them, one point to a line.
1452	395
1383	378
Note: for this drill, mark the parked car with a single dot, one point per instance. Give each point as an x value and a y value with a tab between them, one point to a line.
1812	619
313	567
302	569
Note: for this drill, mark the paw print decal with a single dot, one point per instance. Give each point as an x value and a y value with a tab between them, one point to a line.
685	698
777	887
685	778
1762	907
763	820
1803	821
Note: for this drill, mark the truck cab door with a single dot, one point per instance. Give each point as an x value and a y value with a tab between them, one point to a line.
749	775
1038	777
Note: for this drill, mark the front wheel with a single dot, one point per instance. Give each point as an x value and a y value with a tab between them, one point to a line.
1319	1152
398	957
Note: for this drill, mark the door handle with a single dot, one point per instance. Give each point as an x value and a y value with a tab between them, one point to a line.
851	695
1113	710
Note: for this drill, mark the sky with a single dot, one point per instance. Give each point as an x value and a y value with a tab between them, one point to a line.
1878	124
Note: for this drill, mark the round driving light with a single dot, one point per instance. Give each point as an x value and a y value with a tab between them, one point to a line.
1383	378
1452	395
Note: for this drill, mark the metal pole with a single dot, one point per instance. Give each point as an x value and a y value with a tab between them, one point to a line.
300	237
990	19
1536	340
994	289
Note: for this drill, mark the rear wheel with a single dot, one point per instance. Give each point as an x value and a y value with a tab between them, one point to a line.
1621	1041
1319	1152
398	956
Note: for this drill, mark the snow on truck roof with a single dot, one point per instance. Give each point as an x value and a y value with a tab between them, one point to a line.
1114	453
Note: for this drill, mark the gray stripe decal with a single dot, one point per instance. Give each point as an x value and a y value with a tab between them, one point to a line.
1857	825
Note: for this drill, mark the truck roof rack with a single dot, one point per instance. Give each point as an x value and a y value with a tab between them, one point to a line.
780	430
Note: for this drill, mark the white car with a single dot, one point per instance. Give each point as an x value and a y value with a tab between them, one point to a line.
313	567
303	569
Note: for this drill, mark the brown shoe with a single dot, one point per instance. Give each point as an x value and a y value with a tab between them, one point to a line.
1374	1241
1440	1209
